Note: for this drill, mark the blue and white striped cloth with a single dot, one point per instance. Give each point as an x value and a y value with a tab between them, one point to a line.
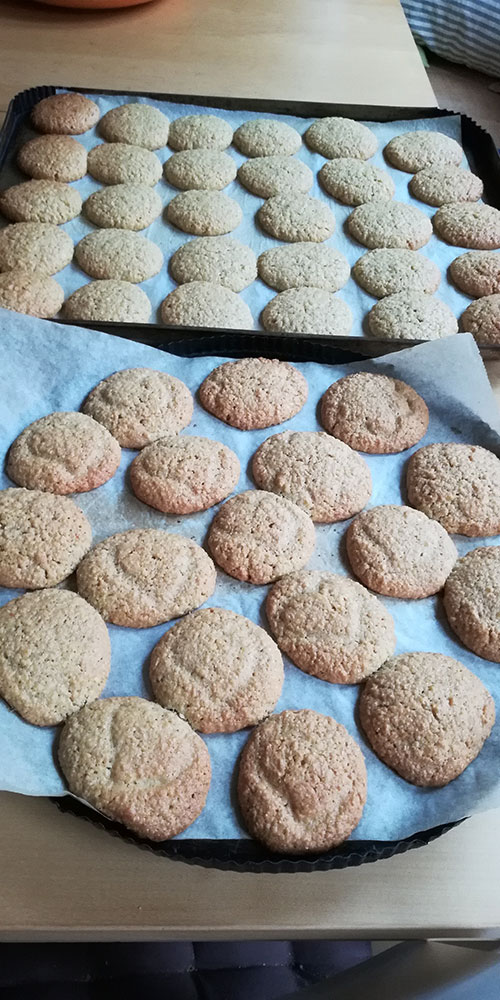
463	31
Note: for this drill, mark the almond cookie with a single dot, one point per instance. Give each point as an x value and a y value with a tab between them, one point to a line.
217	670
467	225
321	475
35	246
139	405
258	537
53	158
200	132
411	315
123	206
426	716
307	310
301	782
441	185
40	201
201	303
266	137
65	114
120	163
63	453
313	264
387	271
42	538
120	254
137	125
30	292
180	475
204	213
341	137
253	393
296	218
55	655
200	169
476	273
144	577
110	302
389	224
482	319
472	601
419	149
457	485
354	182
330	626
220	260
374	413
136	763
266	176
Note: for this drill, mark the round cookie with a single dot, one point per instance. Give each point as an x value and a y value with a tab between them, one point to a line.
389	224
53	158
65	114
413	151
354	182
200	132
139	405
217	670
266	137
121	163
200	169
137	125
55	655
476	273
40	201
266	176
136	763
204	213
123	206
63	453
180	474
144	577
30	292
341	137
296	218
307	310
482	319
108	301
441	185
469	225
318	473
258	537
42	538
426	716
457	485
301	782
201	303
119	254
472	601
313	264
411	315
253	393
374	413
220	260
35	246
387	271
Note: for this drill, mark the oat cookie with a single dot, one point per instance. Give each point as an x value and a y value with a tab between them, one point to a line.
55	655
34	246
341	137
53	158
200	132
476	273
266	176
200	169
144	577
136	763
204	213
301	782
417	150
389	224
472	601
441	185
296	218
137	125
40	201
426	716
65	114
313	264
139	405
457	485
109	301
266	137
374	413
482	319
220	260
411	315
387	271
30	292
201	303
123	206
307	310
354	182
217	670
121	163
469	225
119	254
254	392
181	474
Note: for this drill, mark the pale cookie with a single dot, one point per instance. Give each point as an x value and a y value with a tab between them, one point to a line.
120	163
387	271
441	185
139	405
137	125
220	260
55	655
419	149
426	716
313	264
201	303
472	601
341	137
374	413
476	273
354	182
200	132
266	176
110	302
35	246
136	763
307	310
181	474
482	319
389	224
467	225
266	137
42	538
40	201
123	206
204	213
53	158
321	475
217	670
120	254
30	292
200	169
65	114
258	537
144	577
457	485
330	626
254	392
296	218
400	552
301	782
411	315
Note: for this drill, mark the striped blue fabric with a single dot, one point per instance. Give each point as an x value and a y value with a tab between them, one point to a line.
463	31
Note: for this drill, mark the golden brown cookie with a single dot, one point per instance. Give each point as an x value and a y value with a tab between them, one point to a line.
53	158
65	114
181	474
254	392
457	485
139	405
374	413
472	601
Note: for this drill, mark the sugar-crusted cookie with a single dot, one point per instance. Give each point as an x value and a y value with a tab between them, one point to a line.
35	246
374	413
40	201
457	485
313	264
137	125
204	213
108	301
123	206
202	303
389	224
139	405
482	319
296	218
441	185
121	163
354	182
472	601
200	132
65	114
53	158
411	315
419	149
469	225
254	392
307	310
476	273
200	169
181	474
341	137
266	176
120	254
220	260
266	137
387	271
30	292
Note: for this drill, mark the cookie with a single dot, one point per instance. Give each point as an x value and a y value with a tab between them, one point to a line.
137	125
53	158
374	413
42	538
136	763
200	132
266	137
144	577
296	218
217	670
108	301
472	601
55	655
120	163
467	225
220	260
201	303
387	271
426	716
313	264
30	292
301	782
420	149
253	393
411	315
341	137
441	185
65	114
40	201
457	485
476	273
119	254
389	224
123	206
139	405
35	246
307	310
204	213
482	319
354	182
258	537
200	169
183	474
266	176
